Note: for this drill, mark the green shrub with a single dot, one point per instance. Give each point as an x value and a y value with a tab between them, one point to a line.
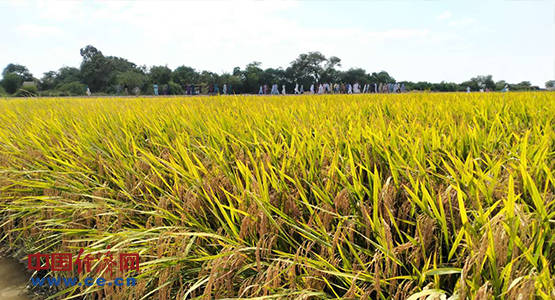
52	93
12	82
175	89
147	89
27	91
73	89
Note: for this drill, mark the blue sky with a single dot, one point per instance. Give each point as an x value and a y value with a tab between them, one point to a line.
416	40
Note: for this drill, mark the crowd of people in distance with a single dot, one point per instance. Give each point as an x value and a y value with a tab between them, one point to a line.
322	88
487	90
188	89
336	88
214	89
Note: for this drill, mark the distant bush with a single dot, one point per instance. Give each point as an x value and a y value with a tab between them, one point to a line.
27	91
53	93
147	89
12	82
73	89
175	89
3	92
131	80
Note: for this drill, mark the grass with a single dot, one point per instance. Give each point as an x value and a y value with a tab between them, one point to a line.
301	197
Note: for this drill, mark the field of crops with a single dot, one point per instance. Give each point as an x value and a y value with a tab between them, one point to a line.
290	197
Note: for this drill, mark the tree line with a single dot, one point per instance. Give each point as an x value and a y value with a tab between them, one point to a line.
111	75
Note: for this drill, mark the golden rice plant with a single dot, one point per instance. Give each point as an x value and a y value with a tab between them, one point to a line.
413	196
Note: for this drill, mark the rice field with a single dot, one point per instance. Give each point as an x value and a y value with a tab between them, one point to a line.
412	196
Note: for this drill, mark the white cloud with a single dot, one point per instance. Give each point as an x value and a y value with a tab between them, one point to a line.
15	3
60	11
219	35
462	22
445	15
39	31
399	33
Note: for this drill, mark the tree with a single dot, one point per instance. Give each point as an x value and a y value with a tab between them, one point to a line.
185	75
445	86
48	80
119	64
355	75
252	77
500	85
110	73
381	77
233	82
330	73
99	72
420	86
89	53
94	69
312	67
64	75
131	80
473	85
208	78
67	75
174	88
236	71
160	74
271	76
53	79
12	82
521	86
19	70
73	88
481	81
96	73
